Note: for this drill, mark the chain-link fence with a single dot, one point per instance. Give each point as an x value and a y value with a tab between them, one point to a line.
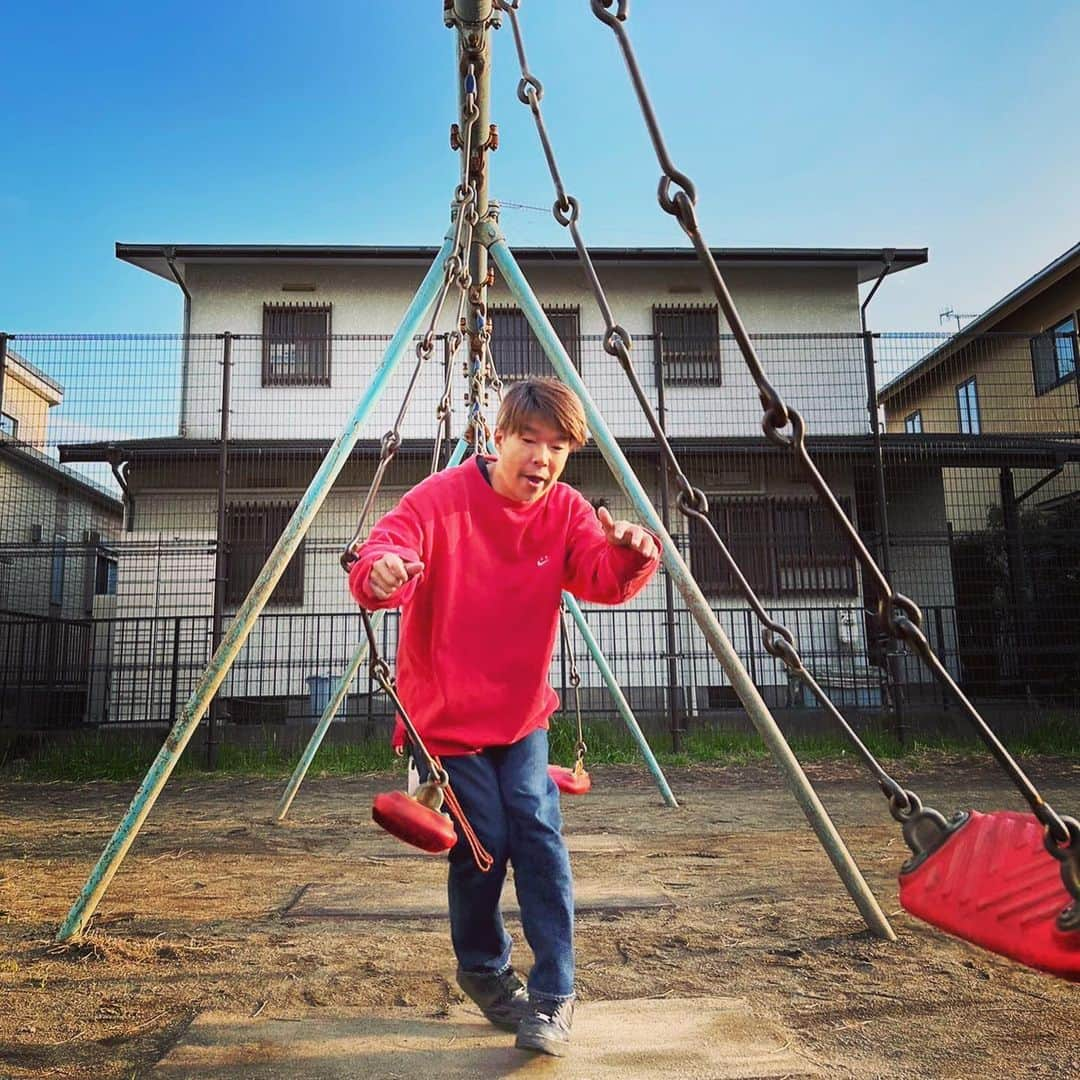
145	479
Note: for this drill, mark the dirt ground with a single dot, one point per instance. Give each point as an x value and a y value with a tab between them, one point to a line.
196	920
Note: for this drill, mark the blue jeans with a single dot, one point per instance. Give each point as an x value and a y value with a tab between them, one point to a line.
513	805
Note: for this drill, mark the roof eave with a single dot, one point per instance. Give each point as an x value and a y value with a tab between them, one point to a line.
867	262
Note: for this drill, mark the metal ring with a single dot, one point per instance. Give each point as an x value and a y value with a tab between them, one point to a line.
903	618
912	805
617	342
348	559
685	213
560	213
668	201
775	419
1062	849
537	86
692	501
612	19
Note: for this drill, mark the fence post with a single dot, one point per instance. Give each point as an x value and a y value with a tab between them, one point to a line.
676	704
1017	567
892	656
220	547
3	366
175	680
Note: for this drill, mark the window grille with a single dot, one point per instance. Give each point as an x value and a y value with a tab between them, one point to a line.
296	345
786	546
517	351
689	343
251	531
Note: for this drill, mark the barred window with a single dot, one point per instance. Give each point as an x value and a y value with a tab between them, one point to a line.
296	345
1053	355
913	423
517	351
689	343
251	531
785	546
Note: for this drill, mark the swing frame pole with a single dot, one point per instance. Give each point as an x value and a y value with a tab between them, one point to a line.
620	699
244	620
696	602
338	696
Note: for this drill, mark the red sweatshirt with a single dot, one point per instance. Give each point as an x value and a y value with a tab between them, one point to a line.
479	623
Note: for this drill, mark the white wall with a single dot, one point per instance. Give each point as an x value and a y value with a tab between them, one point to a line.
371	300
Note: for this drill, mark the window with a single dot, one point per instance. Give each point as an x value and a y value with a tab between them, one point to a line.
296	345
56	574
251	531
9	425
105	568
516	349
1053	355
689	342
785	547
967	407
913	423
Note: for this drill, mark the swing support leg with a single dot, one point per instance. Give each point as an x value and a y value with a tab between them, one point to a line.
338	696
620	699
696	602
244	620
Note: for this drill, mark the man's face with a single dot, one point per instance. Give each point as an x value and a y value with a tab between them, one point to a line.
530	461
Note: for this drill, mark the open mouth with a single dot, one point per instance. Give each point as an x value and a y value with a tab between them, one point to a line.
534	482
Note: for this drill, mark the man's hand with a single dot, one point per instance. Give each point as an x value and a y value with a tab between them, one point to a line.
389	573
626	534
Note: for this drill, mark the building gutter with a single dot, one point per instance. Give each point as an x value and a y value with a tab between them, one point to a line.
170	258
119	470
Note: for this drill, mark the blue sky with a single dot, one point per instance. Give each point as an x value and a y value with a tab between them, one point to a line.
834	124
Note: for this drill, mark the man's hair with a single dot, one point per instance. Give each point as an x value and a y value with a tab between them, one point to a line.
545	401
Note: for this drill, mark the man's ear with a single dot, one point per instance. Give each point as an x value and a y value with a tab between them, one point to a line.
500	435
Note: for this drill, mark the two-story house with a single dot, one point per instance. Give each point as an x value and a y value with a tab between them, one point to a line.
299	331
1001	397
57	569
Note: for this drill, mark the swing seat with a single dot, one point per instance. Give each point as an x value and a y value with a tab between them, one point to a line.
404	817
993	883
574	781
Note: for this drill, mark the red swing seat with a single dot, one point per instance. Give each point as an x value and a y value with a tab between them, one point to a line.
993	883
404	817
575	781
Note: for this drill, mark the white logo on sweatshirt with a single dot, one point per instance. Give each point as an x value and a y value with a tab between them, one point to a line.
543	560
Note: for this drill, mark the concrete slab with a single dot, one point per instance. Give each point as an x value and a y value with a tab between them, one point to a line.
598	844
698	1039
427	900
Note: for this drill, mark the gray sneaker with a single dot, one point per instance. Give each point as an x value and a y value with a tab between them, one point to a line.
546	1027
503	998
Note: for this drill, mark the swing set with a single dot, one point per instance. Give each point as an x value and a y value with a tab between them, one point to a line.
1006	881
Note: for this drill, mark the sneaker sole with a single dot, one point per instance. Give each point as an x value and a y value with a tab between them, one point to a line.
506	1023
552	1047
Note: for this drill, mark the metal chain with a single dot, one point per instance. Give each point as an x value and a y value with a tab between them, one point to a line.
453	342
380	672
456	272
901	616
575	681
777	639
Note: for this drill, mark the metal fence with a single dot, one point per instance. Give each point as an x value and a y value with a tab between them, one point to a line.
145	478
